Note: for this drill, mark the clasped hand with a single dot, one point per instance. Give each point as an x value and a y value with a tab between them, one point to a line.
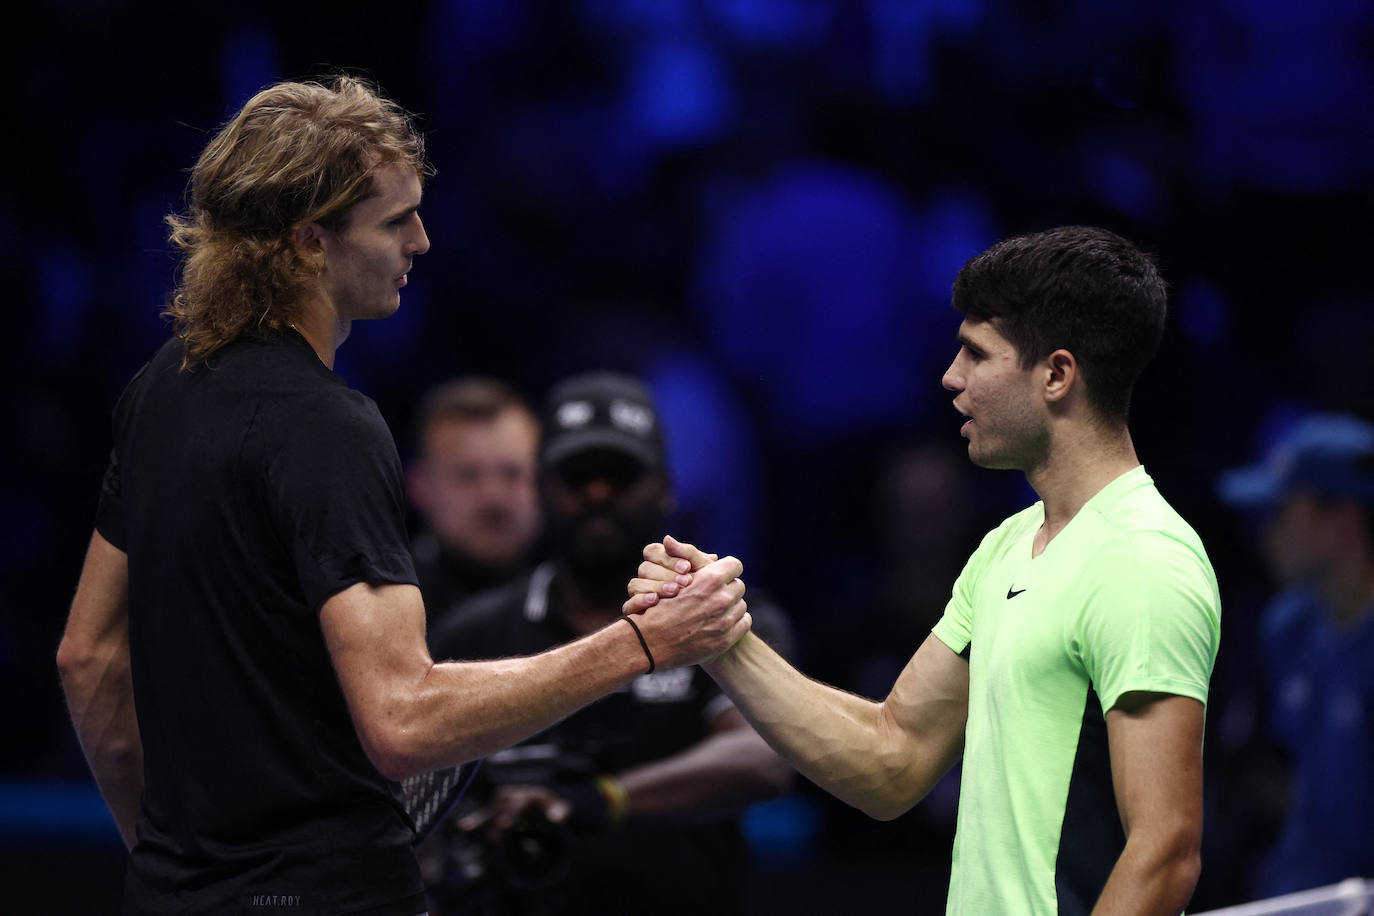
700	590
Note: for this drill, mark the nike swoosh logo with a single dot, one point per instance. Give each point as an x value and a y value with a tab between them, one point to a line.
1012	594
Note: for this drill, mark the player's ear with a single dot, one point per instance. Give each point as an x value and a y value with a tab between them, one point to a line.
1060	375
308	241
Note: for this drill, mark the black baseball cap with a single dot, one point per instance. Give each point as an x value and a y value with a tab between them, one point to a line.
601	410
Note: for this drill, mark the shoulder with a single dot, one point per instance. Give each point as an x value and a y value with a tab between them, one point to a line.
167	358
1142	573
330	400
1015	526
309	414
1137	529
1010	532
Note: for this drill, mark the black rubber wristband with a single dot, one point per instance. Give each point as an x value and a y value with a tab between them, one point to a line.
647	653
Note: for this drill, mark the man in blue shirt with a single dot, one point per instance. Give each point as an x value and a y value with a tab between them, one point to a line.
1316	488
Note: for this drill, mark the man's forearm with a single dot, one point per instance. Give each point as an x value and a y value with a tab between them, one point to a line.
1150	879
413	715
93	661
466	710
844	743
99	693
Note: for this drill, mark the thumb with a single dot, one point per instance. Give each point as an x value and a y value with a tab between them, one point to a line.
687	552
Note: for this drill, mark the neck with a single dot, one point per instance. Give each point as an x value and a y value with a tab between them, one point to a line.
322	328
1080	461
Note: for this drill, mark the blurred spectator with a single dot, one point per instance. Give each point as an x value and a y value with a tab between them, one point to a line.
473	485
631	801
1316	492
924	509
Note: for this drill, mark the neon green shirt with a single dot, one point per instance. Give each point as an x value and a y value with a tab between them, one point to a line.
1123	598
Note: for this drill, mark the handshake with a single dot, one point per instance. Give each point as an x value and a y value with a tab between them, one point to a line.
686	606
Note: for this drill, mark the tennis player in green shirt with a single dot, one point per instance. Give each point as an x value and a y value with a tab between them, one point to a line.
1070	668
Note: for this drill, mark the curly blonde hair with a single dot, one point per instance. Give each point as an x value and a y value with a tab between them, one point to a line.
297	153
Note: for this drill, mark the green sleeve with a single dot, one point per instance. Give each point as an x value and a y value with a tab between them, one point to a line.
955	628
1152	620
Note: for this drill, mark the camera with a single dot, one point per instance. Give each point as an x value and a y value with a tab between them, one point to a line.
534	851
518	872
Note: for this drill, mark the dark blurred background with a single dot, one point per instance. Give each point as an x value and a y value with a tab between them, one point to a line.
758	206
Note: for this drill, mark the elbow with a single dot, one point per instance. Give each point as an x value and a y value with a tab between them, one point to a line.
1176	864
1179	879
392	743
391	765
886	802
1186	857
75	659
391	753
396	769
895	790
1187	869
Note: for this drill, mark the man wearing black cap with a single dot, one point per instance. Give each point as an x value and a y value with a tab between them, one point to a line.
631	802
1316	492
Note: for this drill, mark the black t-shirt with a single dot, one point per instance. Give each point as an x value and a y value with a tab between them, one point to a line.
663	867
246	492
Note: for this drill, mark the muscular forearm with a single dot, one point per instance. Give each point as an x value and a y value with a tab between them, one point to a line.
93	661
1151	879
412	715
99	693
721	775
460	711
842	742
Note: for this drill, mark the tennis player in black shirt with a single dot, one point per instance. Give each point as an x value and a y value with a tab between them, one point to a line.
245	659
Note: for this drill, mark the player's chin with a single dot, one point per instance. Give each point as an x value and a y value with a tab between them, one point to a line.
387	307
982	456
992	461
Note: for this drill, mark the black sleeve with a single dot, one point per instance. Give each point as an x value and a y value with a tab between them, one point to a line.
337	494
109	513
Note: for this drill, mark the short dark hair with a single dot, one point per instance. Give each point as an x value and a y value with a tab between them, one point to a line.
1079	288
